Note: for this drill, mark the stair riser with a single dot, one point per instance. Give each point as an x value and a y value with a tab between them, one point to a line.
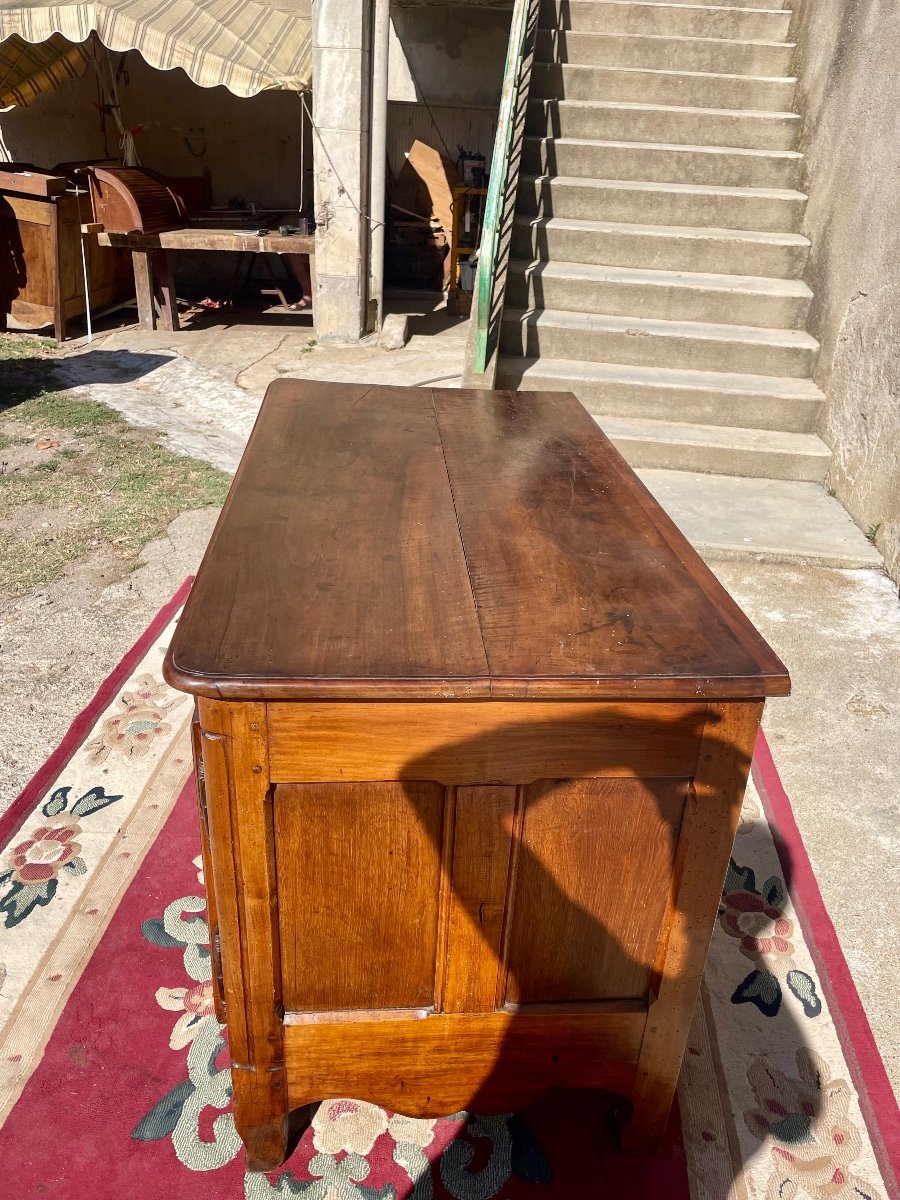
660	165
635	348
591	16
772	5
647	207
658	251
557	80
548	118
694	406
718	460
653	300
663	54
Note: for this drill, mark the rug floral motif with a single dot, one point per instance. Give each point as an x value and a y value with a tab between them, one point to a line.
114	1072
344	1132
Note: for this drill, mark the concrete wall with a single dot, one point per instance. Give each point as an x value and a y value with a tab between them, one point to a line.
251	146
342	72
450	55
847	63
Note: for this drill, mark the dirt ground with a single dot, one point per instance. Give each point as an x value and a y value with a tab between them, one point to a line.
85	500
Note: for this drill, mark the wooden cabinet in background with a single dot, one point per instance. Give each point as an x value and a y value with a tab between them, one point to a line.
474	725
41	273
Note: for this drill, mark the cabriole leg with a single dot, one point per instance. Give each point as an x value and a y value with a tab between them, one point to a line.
707	836
242	852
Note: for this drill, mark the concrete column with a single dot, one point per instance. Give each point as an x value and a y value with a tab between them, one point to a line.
378	168
341	75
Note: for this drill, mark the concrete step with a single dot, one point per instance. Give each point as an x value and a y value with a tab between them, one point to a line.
701	346
658	393
747	128
768	5
766	209
667	295
655	52
679	20
759	453
663	247
694	89
661	162
771	520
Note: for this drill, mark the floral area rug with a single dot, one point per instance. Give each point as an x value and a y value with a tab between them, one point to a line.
113	1068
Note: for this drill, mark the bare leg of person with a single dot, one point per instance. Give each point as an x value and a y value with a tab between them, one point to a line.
299	265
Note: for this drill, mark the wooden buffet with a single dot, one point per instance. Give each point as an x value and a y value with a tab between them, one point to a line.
41	271
474	725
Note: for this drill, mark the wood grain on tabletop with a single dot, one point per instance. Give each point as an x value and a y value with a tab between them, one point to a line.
401	542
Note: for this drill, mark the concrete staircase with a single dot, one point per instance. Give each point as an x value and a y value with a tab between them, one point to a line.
656	258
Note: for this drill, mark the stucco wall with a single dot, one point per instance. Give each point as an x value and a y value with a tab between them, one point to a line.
251	146
847	63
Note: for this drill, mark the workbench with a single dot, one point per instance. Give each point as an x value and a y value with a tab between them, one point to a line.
151	257
474	723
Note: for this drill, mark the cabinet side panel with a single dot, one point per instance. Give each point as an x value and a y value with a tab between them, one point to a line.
593	881
358	884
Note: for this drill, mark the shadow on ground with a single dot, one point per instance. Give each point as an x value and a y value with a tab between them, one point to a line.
23	379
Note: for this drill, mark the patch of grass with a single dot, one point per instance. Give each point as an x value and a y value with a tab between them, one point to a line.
23	345
119	488
67	410
46	560
149	486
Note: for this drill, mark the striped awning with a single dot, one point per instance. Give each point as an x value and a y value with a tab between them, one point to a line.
28	71
246	45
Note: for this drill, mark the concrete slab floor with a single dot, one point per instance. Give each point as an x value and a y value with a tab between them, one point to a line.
836	741
772	520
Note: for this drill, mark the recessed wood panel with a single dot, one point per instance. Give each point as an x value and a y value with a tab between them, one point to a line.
358	883
482	844
439	1064
593	878
472	742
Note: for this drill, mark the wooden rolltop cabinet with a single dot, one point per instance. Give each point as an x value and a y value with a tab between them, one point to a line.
134	200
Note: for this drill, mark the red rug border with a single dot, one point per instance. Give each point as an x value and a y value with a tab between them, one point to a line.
870	1078
24	803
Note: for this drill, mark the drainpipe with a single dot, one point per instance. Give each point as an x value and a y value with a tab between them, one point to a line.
378	166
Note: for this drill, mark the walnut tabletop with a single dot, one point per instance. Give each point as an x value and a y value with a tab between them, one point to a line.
434	543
